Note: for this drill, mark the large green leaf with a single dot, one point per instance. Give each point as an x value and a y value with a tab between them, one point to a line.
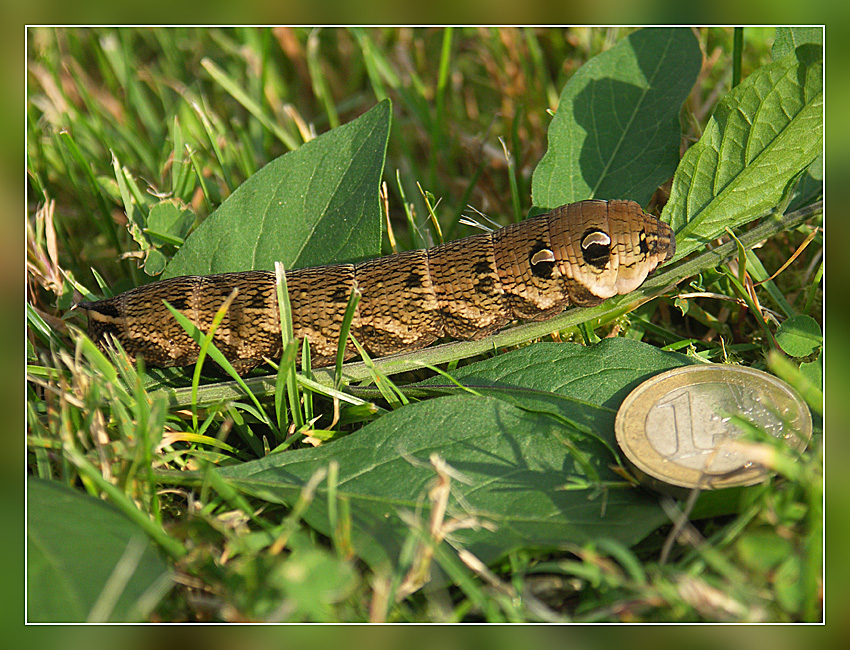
516	468
75	571
315	205
601	375
535	455
761	137
616	133
790	38
582	386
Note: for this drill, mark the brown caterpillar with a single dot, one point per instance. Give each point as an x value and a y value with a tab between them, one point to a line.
578	254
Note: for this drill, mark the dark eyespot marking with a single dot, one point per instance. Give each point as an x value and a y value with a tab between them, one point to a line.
482	267
544	255
643	246
596	248
340	295
413	280
179	303
542	260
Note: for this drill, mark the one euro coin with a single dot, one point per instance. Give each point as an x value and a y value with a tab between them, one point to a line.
687	428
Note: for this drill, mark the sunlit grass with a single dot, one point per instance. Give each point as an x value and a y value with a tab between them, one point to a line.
118	119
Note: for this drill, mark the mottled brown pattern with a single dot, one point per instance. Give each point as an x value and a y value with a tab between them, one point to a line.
398	309
578	254
467	287
532	291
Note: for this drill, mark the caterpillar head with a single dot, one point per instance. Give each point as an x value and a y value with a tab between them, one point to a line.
605	248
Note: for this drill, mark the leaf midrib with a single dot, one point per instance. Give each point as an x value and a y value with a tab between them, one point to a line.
650	85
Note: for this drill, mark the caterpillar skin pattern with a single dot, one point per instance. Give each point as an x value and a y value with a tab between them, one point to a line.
579	254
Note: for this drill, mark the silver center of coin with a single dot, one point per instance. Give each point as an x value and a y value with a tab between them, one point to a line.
700	417
680	427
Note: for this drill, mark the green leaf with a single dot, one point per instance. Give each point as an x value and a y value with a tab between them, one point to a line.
602	374
762	135
813	371
544	481
810	186
302	585
583	386
315	205
763	550
313	580
87	561
169	221
155	262
790	586
616	132
789	39
799	336
514	468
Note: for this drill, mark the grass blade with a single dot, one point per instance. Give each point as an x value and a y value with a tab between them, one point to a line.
236	91
348	317
215	354
286	375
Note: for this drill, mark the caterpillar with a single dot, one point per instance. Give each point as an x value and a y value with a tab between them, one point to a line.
578	254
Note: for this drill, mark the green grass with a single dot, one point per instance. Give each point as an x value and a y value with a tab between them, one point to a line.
135	136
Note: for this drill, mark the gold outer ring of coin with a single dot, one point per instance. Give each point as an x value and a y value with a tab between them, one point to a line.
676	430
